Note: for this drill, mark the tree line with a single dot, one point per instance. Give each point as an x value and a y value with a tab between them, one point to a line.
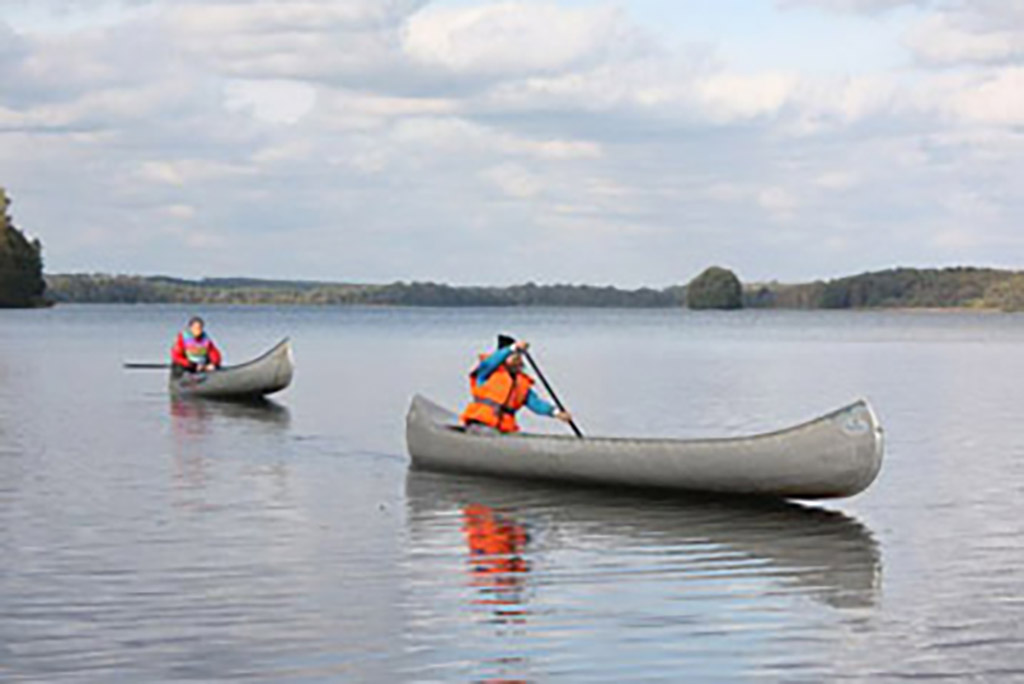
715	288
92	288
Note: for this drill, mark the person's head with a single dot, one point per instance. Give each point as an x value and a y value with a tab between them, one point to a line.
195	326
514	362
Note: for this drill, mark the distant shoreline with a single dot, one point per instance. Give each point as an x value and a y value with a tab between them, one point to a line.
916	290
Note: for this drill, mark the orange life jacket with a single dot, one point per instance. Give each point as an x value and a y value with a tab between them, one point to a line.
496	401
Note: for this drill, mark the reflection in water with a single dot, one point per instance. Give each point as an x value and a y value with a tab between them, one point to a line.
822	554
496	547
556	570
202	428
193	416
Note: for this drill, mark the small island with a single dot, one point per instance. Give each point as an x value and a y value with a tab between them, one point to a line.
21	264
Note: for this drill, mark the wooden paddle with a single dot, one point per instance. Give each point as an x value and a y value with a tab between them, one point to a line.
550	390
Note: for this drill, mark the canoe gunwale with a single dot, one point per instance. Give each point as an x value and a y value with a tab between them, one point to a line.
252	362
669	441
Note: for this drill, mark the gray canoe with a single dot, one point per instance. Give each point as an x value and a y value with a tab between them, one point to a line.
836	455
265	375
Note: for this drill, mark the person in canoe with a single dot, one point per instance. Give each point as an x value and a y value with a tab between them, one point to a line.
500	388
194	351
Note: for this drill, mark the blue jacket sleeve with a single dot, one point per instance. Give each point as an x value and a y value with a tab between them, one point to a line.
486	368
538	405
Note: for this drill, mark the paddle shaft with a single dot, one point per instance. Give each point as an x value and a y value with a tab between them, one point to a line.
146	366
551	391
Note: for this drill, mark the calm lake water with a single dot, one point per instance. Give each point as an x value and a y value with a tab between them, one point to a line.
147	541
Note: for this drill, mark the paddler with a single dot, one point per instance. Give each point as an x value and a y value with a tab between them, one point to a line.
500	388
194	351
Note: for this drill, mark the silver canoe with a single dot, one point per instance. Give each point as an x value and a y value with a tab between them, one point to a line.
836	455
265	375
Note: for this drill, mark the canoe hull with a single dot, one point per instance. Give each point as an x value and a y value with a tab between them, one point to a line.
270	373
837	455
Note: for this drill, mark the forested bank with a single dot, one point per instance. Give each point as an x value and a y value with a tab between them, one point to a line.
715	288
901	288
97	288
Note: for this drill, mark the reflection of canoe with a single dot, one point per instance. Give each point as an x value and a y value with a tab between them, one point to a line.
815	552
265	375
836	455
260	410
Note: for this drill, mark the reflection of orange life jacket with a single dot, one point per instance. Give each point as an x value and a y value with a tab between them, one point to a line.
496	401
494	543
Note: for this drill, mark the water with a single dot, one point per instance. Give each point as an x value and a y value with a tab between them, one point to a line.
143	540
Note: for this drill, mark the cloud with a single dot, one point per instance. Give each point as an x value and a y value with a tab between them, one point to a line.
950	33
362	139
519	39
997	100
311	40
275	101
942	40
978	33
728	97
854	5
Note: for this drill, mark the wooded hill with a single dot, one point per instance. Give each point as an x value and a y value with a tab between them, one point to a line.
21	264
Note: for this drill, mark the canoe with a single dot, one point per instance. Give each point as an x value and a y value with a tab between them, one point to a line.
269	373
836	455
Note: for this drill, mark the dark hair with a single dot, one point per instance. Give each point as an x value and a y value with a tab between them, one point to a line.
196	319
505	341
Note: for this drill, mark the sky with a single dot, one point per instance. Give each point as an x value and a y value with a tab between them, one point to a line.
472	142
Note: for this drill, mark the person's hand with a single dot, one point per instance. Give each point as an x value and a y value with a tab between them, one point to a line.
520	346
563	416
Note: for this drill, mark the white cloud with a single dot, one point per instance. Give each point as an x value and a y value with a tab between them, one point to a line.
853	5
516	38
276	101
996	100
946	39
729	97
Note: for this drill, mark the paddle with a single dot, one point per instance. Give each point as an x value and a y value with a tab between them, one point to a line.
146	366
551	391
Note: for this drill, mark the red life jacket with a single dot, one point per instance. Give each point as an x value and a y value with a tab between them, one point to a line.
496	401
187	354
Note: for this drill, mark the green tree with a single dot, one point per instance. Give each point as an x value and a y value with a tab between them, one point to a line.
21	264
715	288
